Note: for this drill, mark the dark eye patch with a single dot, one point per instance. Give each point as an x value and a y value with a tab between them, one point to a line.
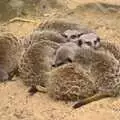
73	36
98	39
65	36
88	43
95	42
69	60
79	42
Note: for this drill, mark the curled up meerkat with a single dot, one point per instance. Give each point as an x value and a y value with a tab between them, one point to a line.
67	52
36	62
10	52
93	75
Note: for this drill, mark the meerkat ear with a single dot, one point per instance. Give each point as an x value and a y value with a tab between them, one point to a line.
79	42
98	39
79	35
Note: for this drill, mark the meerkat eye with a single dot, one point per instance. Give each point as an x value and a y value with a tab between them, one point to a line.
98	39
79	42
69	60
65	36
95	42
88	43
73	36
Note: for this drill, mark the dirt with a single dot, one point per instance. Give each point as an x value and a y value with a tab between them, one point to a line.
16	104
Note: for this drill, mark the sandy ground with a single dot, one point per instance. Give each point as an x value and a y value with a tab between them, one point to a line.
73	3
16	104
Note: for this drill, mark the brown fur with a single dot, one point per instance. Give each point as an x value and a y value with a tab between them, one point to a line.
10	51
36	36
112	46
95	72
36	61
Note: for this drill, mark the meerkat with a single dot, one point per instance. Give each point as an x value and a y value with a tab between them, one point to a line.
67	52
37	36
35	62
10	51
90	39
92	76
72	35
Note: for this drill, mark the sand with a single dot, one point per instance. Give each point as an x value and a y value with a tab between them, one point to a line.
15	102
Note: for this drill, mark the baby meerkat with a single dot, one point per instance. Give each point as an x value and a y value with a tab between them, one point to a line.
93	75
89	39
67	51
72	35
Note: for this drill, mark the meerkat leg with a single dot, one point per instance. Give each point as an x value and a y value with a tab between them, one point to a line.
95	97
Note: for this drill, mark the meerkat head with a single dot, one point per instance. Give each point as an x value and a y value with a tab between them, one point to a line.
83	39
89	40
72	35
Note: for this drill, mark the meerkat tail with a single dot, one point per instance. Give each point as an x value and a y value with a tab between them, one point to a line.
95	97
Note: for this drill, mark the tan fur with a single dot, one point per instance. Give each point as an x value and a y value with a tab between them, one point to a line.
36	61
112	46
36	36
10	51
95	72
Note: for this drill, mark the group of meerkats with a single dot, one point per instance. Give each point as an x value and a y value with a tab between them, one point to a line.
65	60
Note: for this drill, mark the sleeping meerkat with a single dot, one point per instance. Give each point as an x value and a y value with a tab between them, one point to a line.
10	52
35	62
92	76
67	51
37	36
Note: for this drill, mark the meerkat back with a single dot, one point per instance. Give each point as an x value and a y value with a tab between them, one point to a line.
36	61
111	46
41	35
10	51
93	70
70	82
